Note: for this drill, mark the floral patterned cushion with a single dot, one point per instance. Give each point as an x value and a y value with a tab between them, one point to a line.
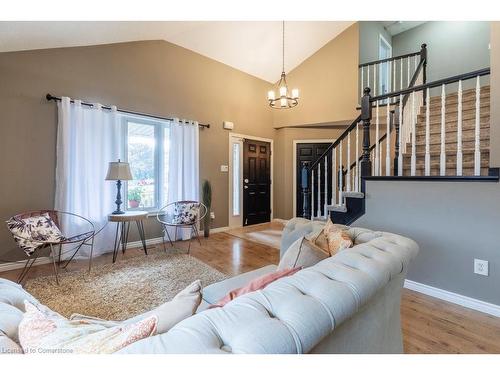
185	213
45	331
32	232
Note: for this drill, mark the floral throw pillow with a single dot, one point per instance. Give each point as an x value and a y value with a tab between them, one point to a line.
185	213
32	232
44	331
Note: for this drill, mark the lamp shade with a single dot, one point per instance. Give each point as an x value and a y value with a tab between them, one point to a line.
119	170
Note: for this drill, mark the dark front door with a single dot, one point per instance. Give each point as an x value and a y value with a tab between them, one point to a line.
256	182
308	153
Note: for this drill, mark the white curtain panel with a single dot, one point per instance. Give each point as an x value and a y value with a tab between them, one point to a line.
183	167
88	138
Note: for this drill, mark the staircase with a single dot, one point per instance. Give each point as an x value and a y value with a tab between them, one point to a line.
420	130
450	135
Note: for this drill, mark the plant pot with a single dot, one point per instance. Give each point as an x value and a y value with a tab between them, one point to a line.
133	204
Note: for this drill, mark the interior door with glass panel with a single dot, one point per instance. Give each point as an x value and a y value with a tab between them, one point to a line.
385	52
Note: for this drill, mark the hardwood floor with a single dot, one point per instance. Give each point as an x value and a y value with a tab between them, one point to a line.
429	325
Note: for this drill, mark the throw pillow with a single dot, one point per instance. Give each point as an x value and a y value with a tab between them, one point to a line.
32	232
182	306
185	213
302	253
331	238
256	284
44	331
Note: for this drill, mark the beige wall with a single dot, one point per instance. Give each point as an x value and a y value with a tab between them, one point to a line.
154	77
495	95
328	83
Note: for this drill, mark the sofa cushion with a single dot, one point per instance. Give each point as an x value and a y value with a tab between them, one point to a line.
302	253
215	292
8	346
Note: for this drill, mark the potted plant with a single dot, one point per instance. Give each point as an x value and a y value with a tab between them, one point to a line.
134	197
206	189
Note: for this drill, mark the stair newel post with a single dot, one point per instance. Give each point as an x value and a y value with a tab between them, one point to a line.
304	184
366	116
423	57
395	125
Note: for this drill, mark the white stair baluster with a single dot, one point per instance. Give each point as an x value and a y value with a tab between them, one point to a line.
367	76
400	140
408	63
318	198
362	82
341	175
380	147
377	125
459	130
375	79
348	177
427	135
326	185
413	136
388	144
393	70
477	132
401	74
312	195
334	178
356	184
415	64
442	158
372	157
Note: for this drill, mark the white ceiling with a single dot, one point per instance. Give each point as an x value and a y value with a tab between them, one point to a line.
397	27
251	46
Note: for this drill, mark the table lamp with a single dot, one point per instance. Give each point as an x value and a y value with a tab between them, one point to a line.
118	171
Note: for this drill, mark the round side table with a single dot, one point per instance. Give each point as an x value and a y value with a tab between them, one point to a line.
123	226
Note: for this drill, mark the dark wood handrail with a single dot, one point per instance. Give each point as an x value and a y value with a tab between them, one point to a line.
375	62
437	83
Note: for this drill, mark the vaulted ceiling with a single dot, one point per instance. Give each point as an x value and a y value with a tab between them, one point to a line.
250	46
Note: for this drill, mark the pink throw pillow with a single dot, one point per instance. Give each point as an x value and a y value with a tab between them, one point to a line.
256	284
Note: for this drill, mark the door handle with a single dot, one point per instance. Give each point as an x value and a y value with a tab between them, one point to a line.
246	180
245	187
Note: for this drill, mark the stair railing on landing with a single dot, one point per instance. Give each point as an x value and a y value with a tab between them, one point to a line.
412	124
326	182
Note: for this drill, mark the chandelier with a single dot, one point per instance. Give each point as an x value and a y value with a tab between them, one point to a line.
285	99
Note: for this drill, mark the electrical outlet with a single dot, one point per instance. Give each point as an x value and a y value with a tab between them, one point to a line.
481	267
212	215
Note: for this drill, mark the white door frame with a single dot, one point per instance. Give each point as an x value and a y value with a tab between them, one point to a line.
232	222
295	142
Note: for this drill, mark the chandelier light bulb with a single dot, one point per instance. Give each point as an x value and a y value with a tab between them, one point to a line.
283	91
270	95
295	93
283	102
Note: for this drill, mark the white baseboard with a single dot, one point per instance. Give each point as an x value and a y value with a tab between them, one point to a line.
20	264
455	298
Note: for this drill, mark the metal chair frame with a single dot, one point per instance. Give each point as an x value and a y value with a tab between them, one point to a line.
83	239
203	211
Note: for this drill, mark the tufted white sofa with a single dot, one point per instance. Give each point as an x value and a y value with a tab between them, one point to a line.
349	303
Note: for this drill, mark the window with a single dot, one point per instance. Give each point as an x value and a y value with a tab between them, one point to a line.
236	179
385	52
147	143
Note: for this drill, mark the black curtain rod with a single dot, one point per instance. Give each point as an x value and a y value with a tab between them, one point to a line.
52	97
